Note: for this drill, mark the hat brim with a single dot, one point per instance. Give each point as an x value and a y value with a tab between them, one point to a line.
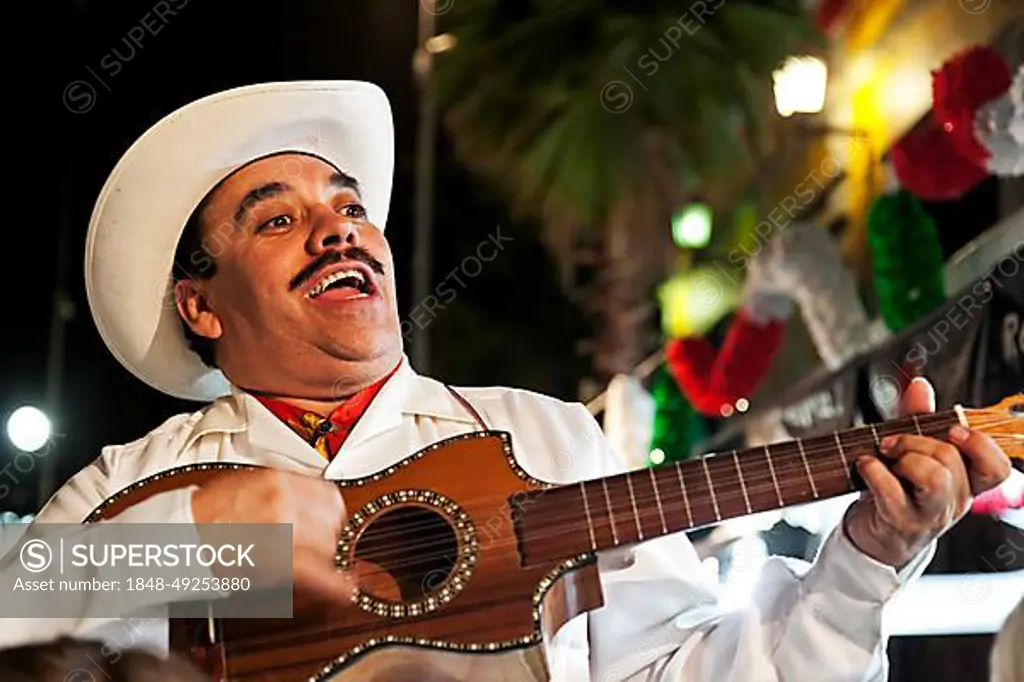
154	188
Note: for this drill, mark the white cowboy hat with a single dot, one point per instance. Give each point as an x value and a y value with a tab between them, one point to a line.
150	194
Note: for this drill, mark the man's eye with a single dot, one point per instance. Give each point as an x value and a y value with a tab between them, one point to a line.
353	211
277	221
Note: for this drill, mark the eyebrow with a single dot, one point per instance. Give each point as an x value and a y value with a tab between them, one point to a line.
338	180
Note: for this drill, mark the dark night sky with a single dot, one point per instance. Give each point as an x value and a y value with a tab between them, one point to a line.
64	157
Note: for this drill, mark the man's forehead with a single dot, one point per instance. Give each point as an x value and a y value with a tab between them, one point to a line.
272	176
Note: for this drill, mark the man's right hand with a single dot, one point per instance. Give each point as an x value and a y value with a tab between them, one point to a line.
314	508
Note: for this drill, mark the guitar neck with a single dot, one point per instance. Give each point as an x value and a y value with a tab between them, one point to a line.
619	510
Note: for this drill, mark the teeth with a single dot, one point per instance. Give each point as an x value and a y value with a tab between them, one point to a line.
330	279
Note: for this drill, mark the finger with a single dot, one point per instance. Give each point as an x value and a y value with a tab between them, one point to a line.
919	398
891	500
932	482
944	454
987	465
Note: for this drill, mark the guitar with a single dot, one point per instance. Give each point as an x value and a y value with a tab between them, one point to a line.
485	563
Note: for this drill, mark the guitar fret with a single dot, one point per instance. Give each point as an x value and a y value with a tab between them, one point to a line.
657	499
686	498
632	502
875	434
743	484
807	468
842	453
611	515
775	481
590	523
711	488
551	529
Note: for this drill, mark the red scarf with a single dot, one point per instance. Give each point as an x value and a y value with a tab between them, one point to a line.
326	434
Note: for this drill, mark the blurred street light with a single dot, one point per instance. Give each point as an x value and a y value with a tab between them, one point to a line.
800	86
691	227
28	428
439	43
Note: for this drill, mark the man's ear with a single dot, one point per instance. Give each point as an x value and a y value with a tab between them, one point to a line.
194	307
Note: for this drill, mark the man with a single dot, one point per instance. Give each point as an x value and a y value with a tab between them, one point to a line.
263	210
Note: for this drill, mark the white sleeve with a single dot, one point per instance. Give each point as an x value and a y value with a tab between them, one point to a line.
663	622
70	505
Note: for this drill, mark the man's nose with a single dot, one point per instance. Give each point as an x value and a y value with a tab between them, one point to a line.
331	230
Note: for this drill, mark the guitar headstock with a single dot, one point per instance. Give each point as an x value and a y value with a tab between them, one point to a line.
1003	422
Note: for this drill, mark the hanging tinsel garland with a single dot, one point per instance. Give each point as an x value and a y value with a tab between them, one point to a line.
806	263
1016	126
907	259
677	426
714	380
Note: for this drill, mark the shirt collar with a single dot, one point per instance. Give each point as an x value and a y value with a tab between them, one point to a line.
405	393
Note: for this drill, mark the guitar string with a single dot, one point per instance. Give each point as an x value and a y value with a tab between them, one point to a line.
673	508
784	462
787	463
574	523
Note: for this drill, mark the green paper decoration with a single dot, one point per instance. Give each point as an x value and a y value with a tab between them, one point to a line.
677	426
907	259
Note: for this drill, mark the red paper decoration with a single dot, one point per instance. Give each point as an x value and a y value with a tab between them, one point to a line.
713	381
966	81
828	13
929	164
995	502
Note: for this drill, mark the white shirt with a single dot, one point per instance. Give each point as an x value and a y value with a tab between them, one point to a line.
661	620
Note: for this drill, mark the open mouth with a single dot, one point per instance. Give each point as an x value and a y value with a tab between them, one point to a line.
348	283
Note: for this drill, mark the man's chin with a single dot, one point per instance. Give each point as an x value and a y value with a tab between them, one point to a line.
374	348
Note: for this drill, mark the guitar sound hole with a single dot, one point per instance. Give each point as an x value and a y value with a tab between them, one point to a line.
1017	409
405	554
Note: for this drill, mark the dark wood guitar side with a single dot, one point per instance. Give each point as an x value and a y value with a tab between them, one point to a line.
461	556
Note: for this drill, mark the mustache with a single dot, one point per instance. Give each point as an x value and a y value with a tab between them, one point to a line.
356	253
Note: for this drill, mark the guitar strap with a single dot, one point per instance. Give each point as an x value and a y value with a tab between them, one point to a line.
469	407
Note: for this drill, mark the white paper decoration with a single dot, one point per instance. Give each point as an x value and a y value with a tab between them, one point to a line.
806	262
999	127
1017	97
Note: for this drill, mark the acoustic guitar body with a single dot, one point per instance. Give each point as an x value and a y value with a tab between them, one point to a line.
443	593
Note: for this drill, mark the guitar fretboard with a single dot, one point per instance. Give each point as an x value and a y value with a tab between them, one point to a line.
608	512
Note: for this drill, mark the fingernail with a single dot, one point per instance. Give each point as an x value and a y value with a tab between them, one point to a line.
959	434
887	443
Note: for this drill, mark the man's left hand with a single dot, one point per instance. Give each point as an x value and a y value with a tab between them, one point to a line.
892	523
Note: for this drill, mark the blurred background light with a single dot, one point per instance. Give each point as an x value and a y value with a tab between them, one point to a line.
695	299
439	43
28	428
800	86
691	227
